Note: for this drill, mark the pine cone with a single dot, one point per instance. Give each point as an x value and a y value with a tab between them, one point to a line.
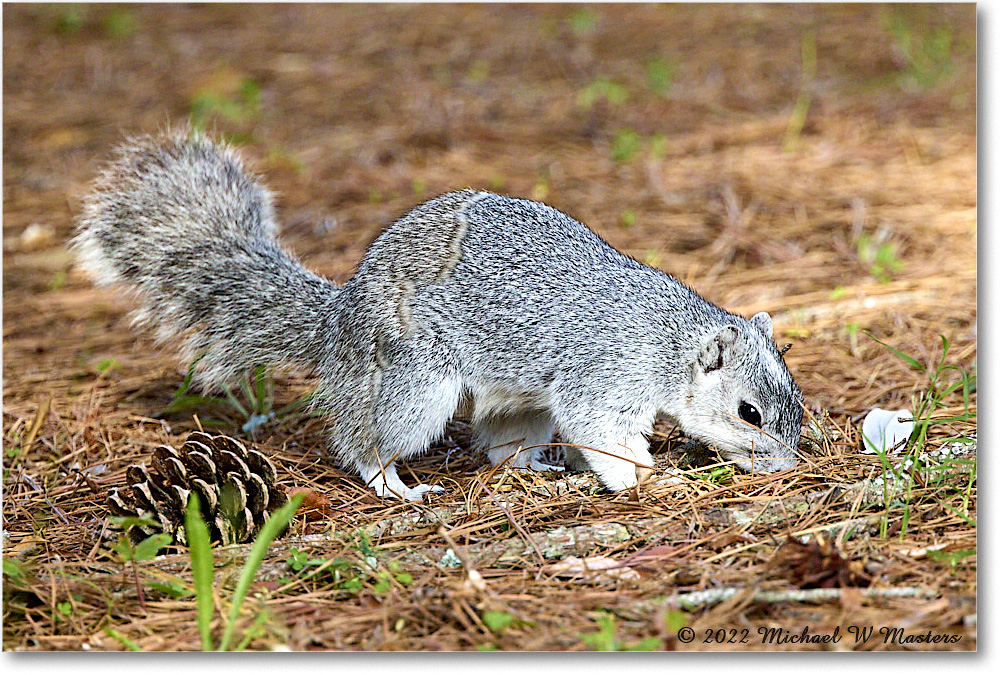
235	487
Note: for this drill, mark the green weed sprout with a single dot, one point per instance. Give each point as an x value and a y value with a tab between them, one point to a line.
203	566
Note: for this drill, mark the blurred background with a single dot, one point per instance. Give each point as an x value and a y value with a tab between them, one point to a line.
814	161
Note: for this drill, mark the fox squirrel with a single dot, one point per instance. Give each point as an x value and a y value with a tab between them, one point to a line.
506	309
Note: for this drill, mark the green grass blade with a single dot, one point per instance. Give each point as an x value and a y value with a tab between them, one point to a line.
247	387
235	402
262	381
181	404
964	517
274	525
128	644
294	405
203	568
182	400
908	359
944	352
189	378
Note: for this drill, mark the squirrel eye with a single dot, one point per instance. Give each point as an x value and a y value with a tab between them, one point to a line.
749	414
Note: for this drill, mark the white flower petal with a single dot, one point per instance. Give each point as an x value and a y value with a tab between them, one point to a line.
882	430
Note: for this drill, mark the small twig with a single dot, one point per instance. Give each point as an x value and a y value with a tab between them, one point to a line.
38	488
714	596
36	425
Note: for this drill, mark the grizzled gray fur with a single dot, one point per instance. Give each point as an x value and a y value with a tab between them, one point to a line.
504	310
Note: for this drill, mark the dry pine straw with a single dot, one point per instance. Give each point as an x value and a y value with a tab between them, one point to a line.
688	537
678	538
725	208
697	535
54	517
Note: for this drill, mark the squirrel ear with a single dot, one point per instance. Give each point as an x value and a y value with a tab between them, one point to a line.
719	350
763	321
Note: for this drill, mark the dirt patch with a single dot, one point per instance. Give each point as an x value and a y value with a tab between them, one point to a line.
817	162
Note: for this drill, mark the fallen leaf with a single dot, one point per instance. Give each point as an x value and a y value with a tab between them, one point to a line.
315	505
817	564
475	582
572	566
725	539
651	554
34	237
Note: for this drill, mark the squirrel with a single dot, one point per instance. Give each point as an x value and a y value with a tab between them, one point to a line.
502	309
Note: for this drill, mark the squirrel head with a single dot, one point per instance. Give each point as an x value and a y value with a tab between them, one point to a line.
741	399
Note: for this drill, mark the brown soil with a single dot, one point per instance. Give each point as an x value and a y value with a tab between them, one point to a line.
354	114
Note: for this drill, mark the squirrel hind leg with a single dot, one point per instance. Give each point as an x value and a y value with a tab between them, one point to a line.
388	485
411	410
522	437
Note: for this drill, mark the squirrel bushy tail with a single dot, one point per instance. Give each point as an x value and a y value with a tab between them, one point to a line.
178	219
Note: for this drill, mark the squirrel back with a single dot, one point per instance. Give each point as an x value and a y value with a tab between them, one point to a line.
506	309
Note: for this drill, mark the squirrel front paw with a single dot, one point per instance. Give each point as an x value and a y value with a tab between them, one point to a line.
621	467
617	475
